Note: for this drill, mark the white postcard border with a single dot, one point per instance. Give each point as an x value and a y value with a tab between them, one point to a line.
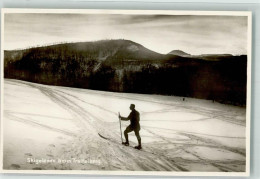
140	12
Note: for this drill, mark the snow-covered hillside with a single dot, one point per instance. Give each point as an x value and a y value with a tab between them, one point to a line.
53	123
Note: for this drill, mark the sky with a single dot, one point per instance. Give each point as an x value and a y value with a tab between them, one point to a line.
161	33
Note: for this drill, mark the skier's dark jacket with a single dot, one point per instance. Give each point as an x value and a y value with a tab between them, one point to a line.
134	117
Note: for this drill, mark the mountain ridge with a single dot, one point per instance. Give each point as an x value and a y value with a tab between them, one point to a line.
126	66
179	53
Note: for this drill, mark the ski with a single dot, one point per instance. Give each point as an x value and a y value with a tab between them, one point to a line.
103	137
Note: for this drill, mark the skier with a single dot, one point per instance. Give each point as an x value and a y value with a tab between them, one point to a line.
134	118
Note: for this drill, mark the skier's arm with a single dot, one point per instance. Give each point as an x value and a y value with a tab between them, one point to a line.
124	118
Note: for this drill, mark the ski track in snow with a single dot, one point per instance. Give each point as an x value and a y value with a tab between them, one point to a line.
185	136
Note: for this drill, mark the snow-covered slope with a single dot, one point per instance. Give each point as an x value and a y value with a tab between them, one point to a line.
50	122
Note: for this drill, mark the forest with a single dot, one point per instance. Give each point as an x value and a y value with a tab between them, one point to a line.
125	66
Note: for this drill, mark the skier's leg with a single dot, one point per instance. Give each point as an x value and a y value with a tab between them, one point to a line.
126	135
138	138
127	130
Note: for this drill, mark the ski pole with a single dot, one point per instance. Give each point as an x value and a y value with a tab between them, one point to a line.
120	126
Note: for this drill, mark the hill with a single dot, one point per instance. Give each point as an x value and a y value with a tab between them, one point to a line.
179	53
213	57
126	66
54	122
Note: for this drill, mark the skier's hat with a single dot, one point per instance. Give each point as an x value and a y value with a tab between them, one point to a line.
132	105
